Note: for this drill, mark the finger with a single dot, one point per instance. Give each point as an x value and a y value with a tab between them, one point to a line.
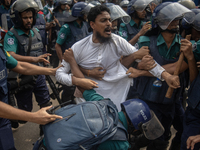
198	63
56	117
94	82
144	47
99	68
188	142
148	22
95	86
103	72
46	61
46	108
152	67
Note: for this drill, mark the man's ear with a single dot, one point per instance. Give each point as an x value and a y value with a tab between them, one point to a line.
92	24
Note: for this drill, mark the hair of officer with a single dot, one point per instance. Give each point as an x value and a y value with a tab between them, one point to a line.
95	11
29	9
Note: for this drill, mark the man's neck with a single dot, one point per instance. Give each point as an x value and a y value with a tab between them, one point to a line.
79	21
25	31
94	38
168	37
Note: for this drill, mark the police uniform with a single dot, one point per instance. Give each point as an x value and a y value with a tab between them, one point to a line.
191	123
40	25
163	107
6	136
128	31
4	11
47	13
71	33
17	41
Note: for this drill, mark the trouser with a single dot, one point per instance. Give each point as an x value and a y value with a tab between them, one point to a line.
6	136
41	92
191	127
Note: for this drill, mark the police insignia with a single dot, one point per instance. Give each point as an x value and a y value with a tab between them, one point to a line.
124	34
10	41
62	35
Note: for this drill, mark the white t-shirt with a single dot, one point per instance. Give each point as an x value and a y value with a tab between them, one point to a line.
115	84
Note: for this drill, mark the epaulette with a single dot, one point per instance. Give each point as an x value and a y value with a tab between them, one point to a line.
65	26
144	39
10	33
122	25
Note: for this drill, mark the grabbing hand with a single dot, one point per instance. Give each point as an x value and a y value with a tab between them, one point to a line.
86	84
97	73
42	117
192	140
69	55
144	50
134	72
41	58
186	48
147	63
147	26
173	81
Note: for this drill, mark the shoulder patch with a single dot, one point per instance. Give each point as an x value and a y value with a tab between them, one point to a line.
62	35
10	41
124	33
144	39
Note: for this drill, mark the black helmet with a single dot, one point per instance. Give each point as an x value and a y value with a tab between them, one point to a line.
20	6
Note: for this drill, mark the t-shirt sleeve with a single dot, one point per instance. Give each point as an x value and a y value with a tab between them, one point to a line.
11	62
10	43
63	34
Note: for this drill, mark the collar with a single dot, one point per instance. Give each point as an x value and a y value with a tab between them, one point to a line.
77	25
160	40
20	32
132	23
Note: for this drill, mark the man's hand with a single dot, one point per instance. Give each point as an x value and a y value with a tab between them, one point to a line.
97	73
147	26
173	81
42	117
134	72
144	50
69	55
186	48
147	63
192	140
86	84
41	58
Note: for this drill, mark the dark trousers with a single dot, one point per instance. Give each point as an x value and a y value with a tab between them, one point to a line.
41	92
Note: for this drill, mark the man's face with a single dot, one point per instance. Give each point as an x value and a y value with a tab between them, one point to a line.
195	35
27	18
7	3
102	25
64	7
141	15
51	2
173	25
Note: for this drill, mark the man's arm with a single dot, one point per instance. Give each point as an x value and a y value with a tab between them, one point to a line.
59	51
30	69
30	59
40	117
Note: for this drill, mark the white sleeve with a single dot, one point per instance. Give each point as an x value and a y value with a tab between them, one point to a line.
62	75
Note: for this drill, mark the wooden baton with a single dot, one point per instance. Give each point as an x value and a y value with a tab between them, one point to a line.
176	72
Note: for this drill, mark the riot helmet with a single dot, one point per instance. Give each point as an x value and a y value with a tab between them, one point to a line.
188	4
62	2
116	12
39	5
142	118
167	12
95	3
124	3
137	5
79	10
20	6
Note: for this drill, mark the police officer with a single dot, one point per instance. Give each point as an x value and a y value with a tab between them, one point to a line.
25	43
4	14
48	9
136	28
124	5
191	122
41	25
164	45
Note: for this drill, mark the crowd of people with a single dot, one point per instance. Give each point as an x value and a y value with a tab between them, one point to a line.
120	50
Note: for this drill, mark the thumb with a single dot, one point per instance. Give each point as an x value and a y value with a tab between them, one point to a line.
46	108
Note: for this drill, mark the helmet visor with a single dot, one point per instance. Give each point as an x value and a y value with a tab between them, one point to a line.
140	5
196	22
39	4
153	128
116	12
86	10
170	13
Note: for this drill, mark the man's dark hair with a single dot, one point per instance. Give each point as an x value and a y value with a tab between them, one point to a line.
95	11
